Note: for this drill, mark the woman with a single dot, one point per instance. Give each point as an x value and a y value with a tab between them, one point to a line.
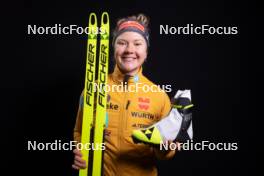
129	110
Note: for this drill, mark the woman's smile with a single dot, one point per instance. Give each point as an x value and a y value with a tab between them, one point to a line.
130	52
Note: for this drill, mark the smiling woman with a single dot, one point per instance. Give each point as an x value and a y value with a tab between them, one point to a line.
130	52
130	41
131	109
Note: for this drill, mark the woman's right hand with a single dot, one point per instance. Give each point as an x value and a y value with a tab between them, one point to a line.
79	163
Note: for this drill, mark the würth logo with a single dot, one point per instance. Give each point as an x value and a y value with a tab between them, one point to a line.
143	103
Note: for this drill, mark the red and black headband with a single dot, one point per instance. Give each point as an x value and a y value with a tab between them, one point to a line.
132	26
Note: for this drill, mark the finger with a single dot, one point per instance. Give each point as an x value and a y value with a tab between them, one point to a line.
169	142
79	159
79	164
75	167
77	152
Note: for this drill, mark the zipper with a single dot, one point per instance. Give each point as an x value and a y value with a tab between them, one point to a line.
122	124
123	117
128	103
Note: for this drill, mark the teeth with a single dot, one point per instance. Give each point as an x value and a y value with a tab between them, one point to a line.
128	58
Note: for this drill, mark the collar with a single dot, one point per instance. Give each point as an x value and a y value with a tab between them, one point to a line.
119	77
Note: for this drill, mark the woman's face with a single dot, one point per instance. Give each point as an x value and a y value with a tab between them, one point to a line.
130	52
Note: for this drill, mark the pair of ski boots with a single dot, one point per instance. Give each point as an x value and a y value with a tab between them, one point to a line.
176	126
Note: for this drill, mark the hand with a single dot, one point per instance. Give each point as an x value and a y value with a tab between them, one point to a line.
163	153
176	145
79	163
168	142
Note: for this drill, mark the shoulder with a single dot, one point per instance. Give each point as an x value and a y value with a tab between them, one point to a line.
159	90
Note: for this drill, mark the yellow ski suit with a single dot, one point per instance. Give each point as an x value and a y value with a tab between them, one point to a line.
128	111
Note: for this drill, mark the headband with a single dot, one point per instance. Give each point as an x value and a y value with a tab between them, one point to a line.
132	26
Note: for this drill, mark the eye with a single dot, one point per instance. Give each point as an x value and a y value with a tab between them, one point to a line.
138	44
121	43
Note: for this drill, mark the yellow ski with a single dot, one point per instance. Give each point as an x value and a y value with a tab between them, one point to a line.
101	96
89	90
89	125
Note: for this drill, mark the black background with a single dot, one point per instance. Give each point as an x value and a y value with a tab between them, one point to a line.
47	78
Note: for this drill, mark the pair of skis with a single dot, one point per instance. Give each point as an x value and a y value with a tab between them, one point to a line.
93	128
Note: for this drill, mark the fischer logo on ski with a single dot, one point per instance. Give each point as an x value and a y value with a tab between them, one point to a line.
93	124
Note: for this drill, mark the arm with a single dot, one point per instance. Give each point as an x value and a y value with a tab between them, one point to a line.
79	163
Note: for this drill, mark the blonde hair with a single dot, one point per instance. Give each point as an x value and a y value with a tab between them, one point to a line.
140	18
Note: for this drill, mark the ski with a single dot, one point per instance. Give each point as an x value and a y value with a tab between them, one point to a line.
93	128
101	96
89	89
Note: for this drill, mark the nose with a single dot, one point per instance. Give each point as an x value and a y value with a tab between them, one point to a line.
130	48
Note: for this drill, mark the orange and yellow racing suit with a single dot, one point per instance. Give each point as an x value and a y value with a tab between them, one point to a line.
129	110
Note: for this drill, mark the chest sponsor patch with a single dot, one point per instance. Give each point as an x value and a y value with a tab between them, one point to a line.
143	103
140	125
112	106
143	115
